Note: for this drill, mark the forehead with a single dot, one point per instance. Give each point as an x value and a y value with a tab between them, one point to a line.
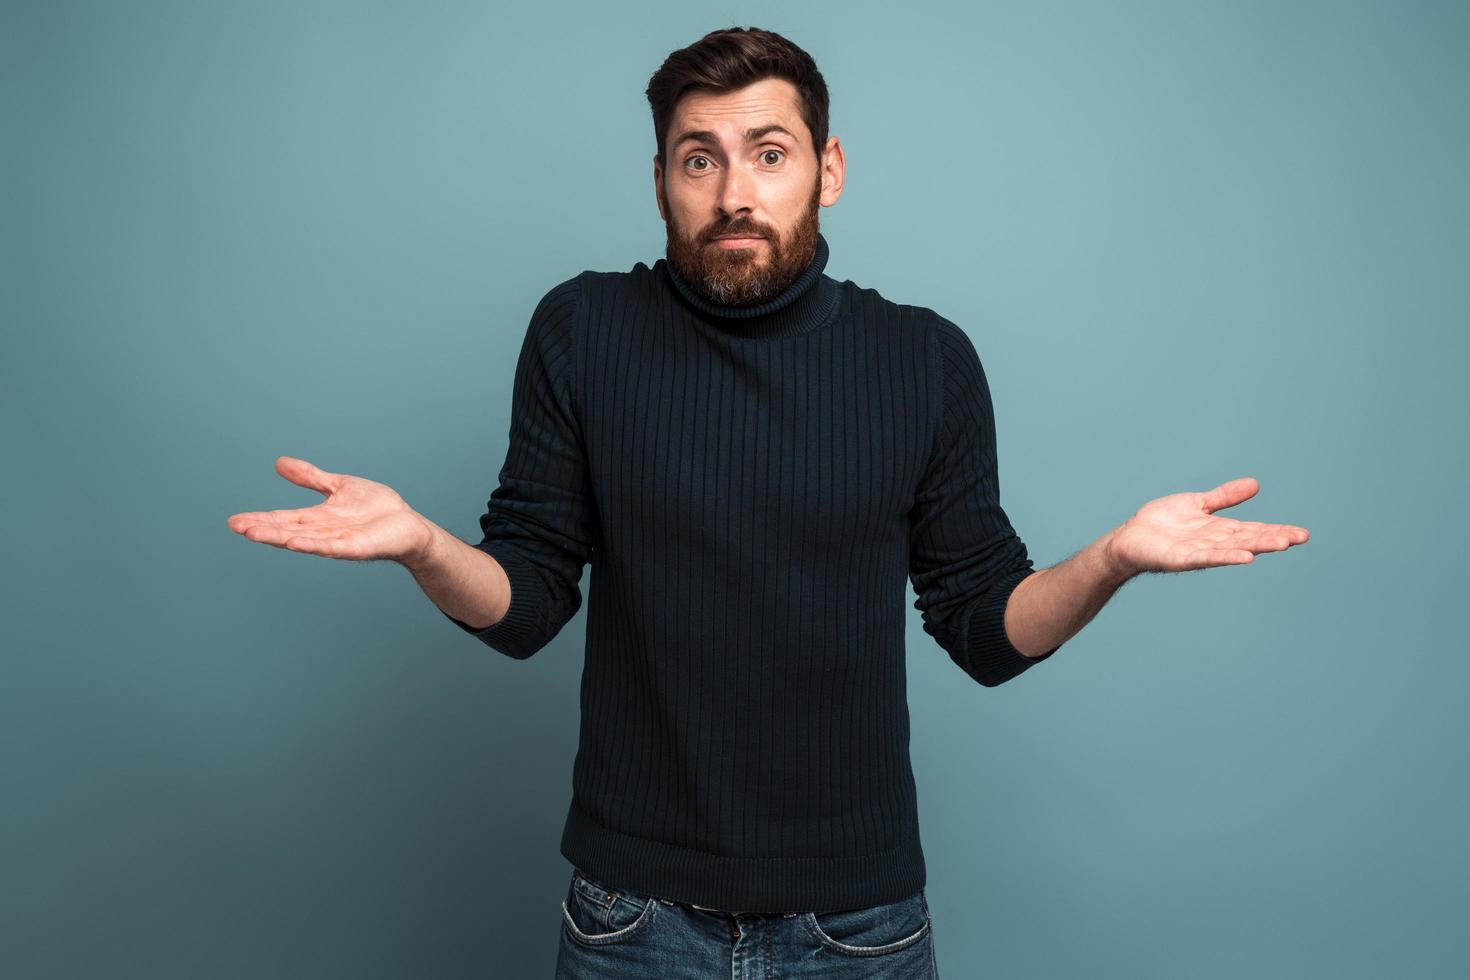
770	100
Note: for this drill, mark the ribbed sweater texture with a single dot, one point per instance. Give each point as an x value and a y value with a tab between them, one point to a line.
755	488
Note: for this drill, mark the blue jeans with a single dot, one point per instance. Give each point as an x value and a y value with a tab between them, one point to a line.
610	933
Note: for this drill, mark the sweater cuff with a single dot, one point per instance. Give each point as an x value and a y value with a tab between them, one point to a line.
514	634
993	658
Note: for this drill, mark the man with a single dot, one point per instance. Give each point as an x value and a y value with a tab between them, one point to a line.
754	458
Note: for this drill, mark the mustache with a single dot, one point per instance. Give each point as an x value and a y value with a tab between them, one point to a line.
745	228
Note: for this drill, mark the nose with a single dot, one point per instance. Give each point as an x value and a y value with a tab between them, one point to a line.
737	192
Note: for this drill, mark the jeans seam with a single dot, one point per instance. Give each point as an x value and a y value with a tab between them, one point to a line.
810	921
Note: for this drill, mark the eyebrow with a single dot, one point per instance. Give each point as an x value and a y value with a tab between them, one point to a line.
751	135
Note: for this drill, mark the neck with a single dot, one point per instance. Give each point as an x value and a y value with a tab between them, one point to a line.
805	304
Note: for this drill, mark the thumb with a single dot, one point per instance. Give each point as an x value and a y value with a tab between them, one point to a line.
304	474
1229	494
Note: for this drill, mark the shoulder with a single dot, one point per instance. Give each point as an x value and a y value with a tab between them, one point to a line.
864	300
946	340
955	348
952	356
550	335
564	307
558	306
590	288
597	288
869	301
560	320
896	325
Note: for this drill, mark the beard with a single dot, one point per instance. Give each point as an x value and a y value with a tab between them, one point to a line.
742	276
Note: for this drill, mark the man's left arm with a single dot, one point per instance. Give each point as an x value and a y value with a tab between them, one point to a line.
1050	606
1176	533
965	558
978	592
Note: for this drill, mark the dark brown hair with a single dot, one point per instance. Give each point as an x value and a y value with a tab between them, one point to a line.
729	59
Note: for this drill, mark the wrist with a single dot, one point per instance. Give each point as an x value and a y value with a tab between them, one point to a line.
1115	568
430	552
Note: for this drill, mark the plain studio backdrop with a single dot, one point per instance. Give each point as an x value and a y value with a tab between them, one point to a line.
1190	241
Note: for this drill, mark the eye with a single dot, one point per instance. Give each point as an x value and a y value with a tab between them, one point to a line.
690	162
779	153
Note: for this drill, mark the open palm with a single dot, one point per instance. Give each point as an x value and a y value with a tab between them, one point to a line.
1180	532
360	520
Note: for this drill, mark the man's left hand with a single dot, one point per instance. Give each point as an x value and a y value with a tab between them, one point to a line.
1180	533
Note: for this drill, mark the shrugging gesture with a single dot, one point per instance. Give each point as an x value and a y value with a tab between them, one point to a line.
1181	532
360	520
1177	533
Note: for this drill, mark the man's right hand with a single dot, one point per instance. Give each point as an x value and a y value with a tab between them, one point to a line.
360	520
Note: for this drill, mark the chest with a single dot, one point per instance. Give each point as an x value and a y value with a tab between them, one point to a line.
819	440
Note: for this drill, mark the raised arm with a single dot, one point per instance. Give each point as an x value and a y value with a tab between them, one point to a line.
518	586
1176	533
965	559
363	520
540	523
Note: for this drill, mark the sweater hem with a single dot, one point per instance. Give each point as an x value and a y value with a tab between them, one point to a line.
741	884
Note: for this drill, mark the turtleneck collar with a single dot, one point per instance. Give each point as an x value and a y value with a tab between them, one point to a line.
804	305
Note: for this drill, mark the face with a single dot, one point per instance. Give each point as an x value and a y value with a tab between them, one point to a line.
739	196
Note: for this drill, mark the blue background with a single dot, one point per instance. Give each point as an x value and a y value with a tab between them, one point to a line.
1190	241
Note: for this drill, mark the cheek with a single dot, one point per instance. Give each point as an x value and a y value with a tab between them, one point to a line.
681	200
794	196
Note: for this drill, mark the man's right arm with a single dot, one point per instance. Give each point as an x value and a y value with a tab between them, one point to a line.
465	582
540	524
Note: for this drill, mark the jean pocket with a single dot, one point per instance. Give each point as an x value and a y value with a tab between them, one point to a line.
597	914
872	931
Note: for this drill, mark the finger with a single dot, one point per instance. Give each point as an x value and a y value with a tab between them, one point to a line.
1227	556
304	474
1229	494
294	540
268	534
1222	528
311	544
277	518
1286	533
240	523
1264	541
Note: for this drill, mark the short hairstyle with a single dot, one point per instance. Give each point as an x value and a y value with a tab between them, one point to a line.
730	59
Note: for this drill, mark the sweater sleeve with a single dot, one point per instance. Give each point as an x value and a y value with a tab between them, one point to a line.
965	559
540	522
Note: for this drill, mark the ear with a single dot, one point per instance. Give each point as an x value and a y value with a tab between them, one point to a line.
833	169
658	187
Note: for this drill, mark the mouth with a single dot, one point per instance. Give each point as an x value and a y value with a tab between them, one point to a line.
737	241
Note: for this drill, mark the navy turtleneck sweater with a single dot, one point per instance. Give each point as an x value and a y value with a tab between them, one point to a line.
754	487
